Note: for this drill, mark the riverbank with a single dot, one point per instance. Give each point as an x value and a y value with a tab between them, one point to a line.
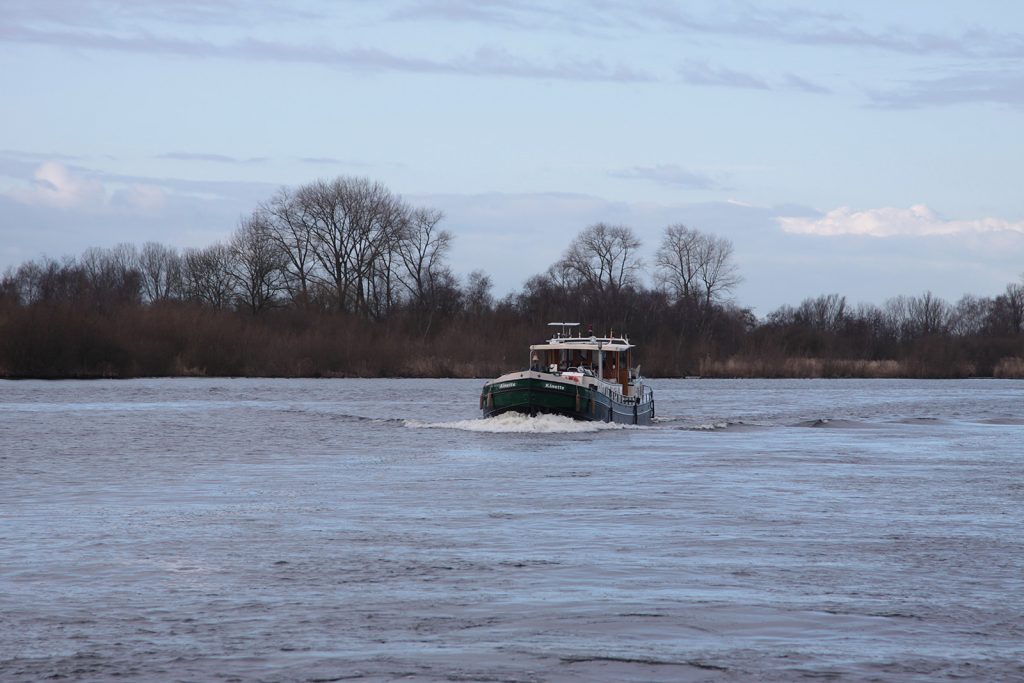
185	340
831	368
440	368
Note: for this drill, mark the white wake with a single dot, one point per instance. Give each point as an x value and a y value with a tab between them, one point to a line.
520	424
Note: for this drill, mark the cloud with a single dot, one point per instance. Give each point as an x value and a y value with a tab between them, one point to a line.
494	13
321	160
791	26
62	209
57	186
811	28
183	12
139	197
485	61
23	20
1001	87
37	156
701	72
794	26
794	82
498	62
671	175
697	72
351	164
53	184
917	221
218	158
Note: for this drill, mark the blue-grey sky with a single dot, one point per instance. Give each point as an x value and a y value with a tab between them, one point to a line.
869	149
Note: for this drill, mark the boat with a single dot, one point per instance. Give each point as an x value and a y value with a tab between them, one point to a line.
586	378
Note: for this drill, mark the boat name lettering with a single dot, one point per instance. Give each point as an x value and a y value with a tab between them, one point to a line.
506	385
553	386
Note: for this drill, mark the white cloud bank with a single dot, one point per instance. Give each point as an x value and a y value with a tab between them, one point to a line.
917	221
55	185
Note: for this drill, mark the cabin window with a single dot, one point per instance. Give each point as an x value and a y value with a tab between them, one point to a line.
578	358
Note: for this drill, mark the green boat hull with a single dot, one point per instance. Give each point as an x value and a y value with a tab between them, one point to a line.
533	396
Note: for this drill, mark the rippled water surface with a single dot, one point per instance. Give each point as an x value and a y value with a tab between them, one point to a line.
321	530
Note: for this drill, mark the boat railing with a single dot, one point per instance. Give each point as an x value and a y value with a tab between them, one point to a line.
643	395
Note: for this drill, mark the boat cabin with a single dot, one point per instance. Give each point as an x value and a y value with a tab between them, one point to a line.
609	358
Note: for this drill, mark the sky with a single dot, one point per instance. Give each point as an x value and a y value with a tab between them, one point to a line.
868	149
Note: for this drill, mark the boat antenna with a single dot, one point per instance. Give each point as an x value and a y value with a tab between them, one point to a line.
565	328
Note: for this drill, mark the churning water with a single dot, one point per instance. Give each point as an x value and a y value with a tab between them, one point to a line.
321	530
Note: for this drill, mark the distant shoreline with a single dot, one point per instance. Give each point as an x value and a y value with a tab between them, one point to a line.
820	369
296	293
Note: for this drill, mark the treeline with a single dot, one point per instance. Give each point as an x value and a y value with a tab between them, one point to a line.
345	278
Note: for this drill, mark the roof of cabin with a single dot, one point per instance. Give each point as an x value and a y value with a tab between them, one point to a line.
584	344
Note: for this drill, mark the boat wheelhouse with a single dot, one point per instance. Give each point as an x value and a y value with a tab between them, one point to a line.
585	378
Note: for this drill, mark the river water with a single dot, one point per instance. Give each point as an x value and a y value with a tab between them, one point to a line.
376	530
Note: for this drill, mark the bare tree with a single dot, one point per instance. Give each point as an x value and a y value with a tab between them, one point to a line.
357	241
160	271
377	221
544	298
1007	312
930	314
292	228
257	264
353	224
112	274
382	286
969	315
604	258
561	276
320	203
897	316
677	262
696	267
26	283
422	250
825	313
912	317
50	281
207	275
477	297
718	273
